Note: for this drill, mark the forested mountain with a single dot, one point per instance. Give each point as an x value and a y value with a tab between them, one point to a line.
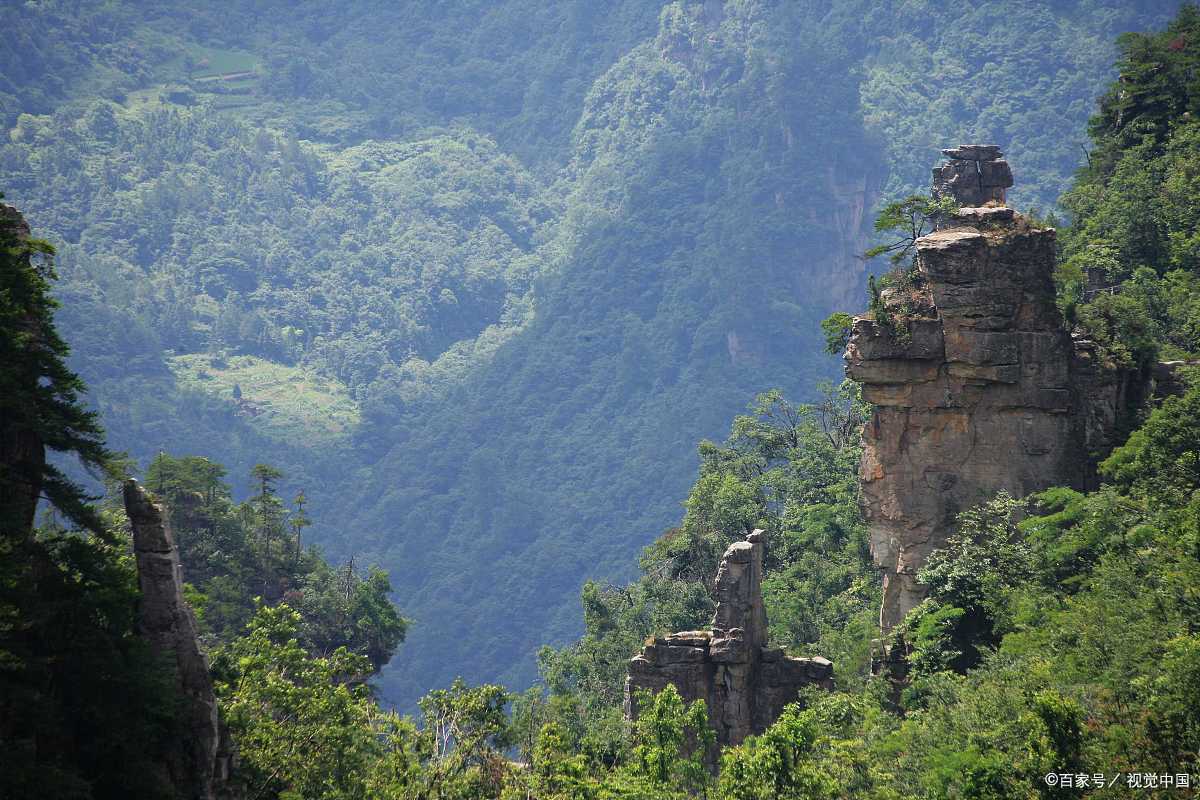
478	276
479	350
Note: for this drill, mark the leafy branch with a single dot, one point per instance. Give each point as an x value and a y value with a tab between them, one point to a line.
908	219
911	218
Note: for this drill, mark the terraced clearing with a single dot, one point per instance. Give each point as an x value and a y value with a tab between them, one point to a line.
211	62
282	400
226	78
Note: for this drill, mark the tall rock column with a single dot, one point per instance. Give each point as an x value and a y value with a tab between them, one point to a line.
744	683
198	768
974	378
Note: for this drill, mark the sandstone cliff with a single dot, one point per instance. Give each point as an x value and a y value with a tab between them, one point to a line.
199	765
744	683
976	381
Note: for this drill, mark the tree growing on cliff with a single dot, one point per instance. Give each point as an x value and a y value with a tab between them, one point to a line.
83	704
968	580
40	405
301	730
667	759
909	219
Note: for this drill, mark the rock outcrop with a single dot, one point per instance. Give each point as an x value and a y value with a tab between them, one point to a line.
199	763
976	381
744	683
974	176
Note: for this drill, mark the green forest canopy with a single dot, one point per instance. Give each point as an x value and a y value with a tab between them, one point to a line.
528	254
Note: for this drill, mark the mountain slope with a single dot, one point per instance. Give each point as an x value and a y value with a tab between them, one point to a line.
537	251
724	172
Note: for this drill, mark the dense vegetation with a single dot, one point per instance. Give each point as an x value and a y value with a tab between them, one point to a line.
1061	631
240	556
81	699
478	275
1063	643
716	176
88	709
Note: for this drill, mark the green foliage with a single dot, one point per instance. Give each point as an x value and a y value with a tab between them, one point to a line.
1157	88
555	772
1173	729
288	402
669	740
87	707
963	614
1060	643
790	469
299	728
836	328
777	764
1073	649
930	83
233	553
585	680
469	730
1161	460
40	403
532	250
909	219
1130	271
305	726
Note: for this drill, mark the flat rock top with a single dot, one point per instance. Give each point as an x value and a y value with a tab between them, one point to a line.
974	152
985	214
738	552
944	240
688	639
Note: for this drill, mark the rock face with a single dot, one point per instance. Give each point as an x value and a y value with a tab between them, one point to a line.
977	383
974	175
744	683
199	767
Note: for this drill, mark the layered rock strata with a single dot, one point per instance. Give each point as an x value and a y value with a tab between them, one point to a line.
976	381
976	174
199	765
745	684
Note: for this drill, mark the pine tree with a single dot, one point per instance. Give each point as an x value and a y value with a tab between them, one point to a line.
40	404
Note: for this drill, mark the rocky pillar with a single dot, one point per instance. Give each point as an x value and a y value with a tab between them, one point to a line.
976	382
198	768
744	684
975	175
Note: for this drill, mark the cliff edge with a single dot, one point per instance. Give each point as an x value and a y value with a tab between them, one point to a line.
977	383
199	764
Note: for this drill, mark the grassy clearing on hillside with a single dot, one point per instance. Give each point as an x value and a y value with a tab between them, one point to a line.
229	79
211	62
283	401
